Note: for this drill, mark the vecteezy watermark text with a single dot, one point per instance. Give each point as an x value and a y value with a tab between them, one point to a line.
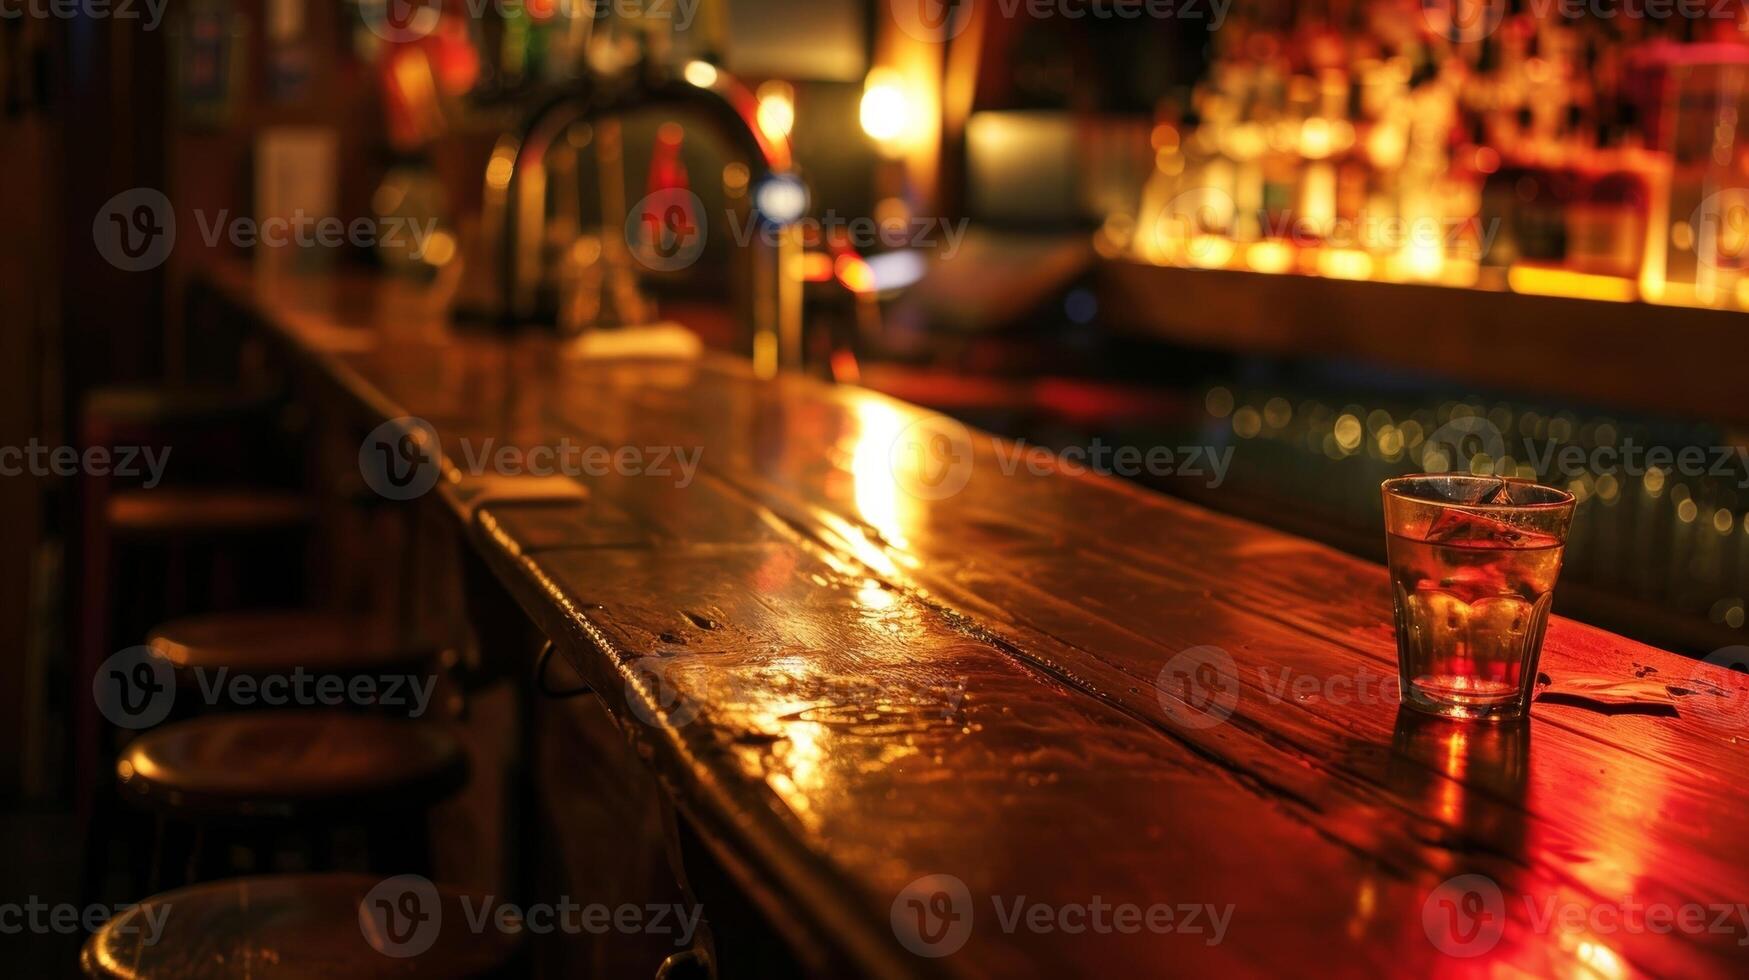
944	20
403	916
1210	462
1472	438
933	457
1467	915
1210	210
400	21
865	234
137	688
150	13
35	916
1200	687
35	459
667	230
1632	459
304	230
572	918
399	459
136	230
568	457
934	916
1458	20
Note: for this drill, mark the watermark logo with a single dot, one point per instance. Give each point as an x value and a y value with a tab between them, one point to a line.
666	230
933	915
1725	708
1463	21
400	21
401	916
1455	444
134	688
1199	687
1465	916
944	20
576	460
572	918
150	13
36	459
931	458
942	236
649	681
37	917
398	459
1473	444
1201	227
404	21
1208	463
1721	229
135	230
1200	218
302	229
932	20
137	688
1630	458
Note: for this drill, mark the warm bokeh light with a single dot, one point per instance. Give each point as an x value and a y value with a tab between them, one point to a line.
777	109
1541	281
855	274
701	73
1345	263
886	110
1271	257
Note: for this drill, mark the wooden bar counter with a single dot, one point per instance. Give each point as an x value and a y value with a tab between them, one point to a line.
944	715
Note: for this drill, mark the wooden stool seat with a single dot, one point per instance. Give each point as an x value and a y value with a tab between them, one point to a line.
298	925
290	765
279	641
209	511
164	405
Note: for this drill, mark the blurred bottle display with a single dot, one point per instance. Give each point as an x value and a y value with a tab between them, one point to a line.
532	45
1464	143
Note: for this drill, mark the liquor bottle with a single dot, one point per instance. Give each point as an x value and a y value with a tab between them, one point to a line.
1538	223
1607	223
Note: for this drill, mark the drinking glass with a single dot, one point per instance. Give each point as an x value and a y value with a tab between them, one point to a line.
1473	566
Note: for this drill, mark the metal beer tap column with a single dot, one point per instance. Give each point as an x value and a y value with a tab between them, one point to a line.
766	288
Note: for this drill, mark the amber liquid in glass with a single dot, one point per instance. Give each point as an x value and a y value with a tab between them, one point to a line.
1472	601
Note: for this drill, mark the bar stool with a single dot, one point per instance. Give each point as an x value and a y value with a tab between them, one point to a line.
254	779
301	925
215	433
264	643
212	655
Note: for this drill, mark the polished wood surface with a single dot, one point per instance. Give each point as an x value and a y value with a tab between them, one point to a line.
298	925
290	764
853	676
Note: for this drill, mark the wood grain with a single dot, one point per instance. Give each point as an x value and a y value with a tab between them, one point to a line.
863	646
